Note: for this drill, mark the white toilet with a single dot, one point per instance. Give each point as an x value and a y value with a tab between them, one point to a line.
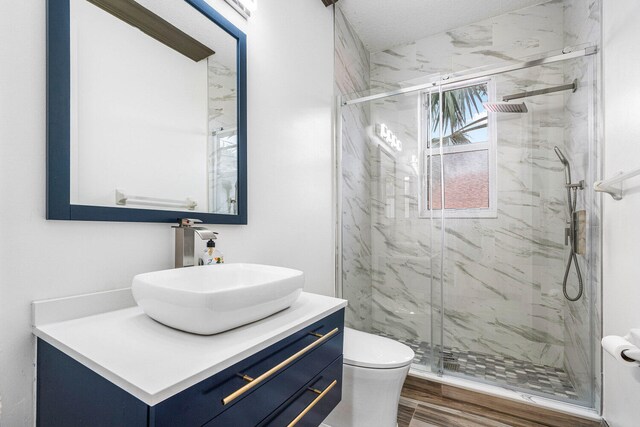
374	371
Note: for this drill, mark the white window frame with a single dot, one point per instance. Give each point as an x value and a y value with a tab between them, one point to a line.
426	151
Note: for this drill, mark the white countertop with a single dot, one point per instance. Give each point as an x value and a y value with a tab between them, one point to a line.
149	360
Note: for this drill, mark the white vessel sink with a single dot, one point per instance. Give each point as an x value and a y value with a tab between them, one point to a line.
210	299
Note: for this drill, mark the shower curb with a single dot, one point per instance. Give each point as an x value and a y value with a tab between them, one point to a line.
420	390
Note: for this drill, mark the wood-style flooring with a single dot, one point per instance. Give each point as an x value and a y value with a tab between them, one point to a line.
429	404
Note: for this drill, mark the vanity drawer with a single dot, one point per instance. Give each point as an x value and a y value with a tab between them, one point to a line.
278	372
277	392
313	402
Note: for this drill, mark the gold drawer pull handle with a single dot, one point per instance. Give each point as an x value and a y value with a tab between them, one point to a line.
255	381
321	394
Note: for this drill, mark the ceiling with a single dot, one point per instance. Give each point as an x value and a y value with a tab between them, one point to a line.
382	24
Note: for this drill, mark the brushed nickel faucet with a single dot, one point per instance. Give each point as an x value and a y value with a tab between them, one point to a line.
185	241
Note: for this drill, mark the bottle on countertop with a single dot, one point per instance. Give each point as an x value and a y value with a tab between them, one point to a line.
211	255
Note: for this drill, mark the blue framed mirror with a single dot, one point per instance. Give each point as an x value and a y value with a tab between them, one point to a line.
146	112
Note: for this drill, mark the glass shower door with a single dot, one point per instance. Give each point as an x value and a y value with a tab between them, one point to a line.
386	256
456	152
401	248
505	218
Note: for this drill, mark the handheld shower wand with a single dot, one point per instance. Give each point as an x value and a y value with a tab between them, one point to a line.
565	162
570	231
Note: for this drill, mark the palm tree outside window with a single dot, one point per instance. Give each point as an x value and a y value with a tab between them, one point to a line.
468	151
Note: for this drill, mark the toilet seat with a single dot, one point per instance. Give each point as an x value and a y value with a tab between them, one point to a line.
371	351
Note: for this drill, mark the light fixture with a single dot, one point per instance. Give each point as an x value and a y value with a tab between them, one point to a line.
244	7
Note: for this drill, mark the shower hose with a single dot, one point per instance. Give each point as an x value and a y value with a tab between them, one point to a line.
573	258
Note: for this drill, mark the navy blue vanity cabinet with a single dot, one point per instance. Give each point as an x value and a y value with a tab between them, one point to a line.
70	394
301	374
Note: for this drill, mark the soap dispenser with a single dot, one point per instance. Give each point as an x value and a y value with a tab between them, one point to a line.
211	255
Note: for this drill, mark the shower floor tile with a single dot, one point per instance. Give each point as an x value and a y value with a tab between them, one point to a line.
500	370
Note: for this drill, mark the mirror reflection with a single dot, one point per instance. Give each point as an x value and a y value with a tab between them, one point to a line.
153	107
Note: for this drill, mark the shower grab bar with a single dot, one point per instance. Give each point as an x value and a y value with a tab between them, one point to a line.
123	199
610	186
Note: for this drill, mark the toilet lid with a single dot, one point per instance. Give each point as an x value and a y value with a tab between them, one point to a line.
372	351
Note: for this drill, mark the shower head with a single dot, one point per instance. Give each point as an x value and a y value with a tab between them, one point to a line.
565	162
505	107
561	156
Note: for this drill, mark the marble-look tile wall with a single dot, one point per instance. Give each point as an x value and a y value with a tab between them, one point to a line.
223	95
352	75
521	34
582	357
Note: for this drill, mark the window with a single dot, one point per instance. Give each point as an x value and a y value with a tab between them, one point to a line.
468	152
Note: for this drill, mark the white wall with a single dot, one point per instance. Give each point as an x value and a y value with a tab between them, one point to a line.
621	246
290	86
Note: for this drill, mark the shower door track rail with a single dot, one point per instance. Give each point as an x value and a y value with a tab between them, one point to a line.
591	50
